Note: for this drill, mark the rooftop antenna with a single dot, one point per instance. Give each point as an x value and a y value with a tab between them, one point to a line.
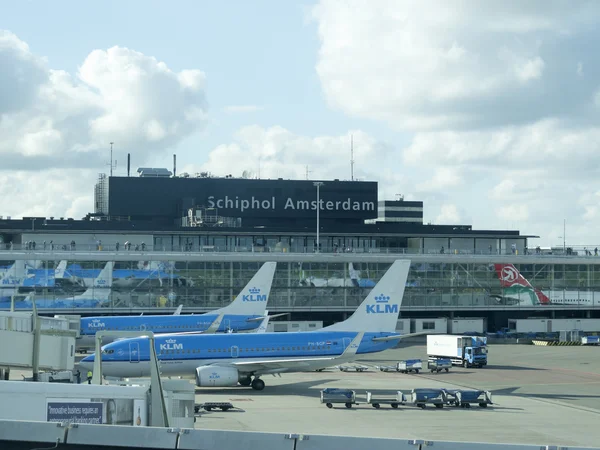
111	160
307	172
352	157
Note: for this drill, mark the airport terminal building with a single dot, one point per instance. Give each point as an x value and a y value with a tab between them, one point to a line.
200	239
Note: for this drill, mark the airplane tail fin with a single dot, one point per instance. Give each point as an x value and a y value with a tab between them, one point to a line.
379	311
178	310
512	280
59	271
100	289
354	274
252	300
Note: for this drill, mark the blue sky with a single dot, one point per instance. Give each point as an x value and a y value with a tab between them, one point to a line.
485	111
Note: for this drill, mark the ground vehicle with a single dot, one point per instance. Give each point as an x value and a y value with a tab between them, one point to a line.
330	396
439	364
466	351
410	365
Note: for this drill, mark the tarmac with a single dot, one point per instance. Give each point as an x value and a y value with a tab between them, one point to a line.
545	396
542	396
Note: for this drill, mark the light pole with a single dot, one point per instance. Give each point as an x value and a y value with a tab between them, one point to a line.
318	184
564	236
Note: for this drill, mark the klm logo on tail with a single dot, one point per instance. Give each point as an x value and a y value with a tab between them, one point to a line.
254	296
381	306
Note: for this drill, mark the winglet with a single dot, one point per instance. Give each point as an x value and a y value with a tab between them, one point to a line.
353	346
213	327
379	311
262	328
252	300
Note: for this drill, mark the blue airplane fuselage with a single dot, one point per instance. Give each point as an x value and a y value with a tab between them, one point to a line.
181	354
168	324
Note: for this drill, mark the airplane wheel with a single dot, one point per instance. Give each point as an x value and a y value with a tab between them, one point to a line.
258	384
245	381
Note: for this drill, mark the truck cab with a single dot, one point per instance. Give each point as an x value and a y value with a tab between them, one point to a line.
475	356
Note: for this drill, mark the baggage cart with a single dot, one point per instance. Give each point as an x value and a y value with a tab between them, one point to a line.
209	406
393	400
464	398
331	396
420	397
388	368
439	364
590	340
355	368
410	365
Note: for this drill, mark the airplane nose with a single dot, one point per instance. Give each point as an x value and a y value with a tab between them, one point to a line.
87	363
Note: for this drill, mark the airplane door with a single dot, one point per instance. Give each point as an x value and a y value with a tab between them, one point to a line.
235	351
134	352
347	342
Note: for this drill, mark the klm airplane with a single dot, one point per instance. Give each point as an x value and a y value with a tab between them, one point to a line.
229	359
94	297
245	313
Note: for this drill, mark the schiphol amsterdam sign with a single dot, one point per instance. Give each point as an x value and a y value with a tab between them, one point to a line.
289	204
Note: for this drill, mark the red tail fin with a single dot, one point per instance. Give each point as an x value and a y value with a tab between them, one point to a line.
510	276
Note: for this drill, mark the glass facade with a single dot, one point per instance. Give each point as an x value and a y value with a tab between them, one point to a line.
433	285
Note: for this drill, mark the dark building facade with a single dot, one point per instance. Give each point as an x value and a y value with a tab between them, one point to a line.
168	213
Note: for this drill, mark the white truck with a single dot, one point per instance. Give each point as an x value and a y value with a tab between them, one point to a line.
466	351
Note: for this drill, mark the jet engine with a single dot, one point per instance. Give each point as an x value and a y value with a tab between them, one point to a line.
216	376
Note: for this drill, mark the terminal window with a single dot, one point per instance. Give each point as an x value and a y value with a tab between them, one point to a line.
429	325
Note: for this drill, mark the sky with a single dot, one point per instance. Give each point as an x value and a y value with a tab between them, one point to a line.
485	111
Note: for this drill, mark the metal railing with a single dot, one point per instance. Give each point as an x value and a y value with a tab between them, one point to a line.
146	248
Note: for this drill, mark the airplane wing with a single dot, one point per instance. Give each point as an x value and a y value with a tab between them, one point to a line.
256	319
400	336
268	366
178	310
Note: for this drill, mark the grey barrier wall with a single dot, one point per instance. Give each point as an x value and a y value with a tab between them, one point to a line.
29	435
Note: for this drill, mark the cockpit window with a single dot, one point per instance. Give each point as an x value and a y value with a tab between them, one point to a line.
108	352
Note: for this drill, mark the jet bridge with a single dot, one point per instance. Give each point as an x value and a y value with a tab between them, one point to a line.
35	343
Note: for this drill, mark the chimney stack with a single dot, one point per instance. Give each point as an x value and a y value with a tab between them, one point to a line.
174	165
128	162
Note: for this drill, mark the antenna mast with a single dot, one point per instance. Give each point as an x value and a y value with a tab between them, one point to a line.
352	157
307	172
111	160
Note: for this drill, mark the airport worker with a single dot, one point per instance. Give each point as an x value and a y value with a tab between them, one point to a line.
78	377
89	377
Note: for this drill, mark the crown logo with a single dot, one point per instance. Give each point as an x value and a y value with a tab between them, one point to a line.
254	290
170	341
382	298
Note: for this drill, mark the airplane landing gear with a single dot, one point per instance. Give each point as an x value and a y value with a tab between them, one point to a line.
258	384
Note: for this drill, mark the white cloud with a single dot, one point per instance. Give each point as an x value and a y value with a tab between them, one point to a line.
45	193
503	115
242	108
432	65
449	215
50	120
117	95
